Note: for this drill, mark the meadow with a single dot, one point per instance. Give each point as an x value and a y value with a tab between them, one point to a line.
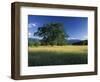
57	55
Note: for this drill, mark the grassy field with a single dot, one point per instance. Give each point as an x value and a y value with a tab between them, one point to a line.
57	55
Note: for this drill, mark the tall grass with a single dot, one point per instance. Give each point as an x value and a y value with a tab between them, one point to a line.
57	55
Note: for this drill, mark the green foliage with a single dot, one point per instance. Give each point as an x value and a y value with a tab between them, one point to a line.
37	44
52	34
85	42
32	42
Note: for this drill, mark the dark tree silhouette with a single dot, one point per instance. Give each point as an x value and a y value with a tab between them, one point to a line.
52	34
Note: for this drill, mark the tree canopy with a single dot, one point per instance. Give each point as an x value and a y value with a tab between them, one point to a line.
52	34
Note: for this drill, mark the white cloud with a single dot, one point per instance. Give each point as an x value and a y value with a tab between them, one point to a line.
85	37
82	38
31	25
30	35
71	38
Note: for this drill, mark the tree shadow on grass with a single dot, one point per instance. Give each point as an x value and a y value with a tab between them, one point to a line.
53	58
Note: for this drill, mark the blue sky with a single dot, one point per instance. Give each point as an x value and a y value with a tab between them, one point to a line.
75	27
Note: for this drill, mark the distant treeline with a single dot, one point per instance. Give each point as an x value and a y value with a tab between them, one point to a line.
84	42
36	42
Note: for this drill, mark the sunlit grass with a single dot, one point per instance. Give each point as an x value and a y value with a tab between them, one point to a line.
60	49
57	55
